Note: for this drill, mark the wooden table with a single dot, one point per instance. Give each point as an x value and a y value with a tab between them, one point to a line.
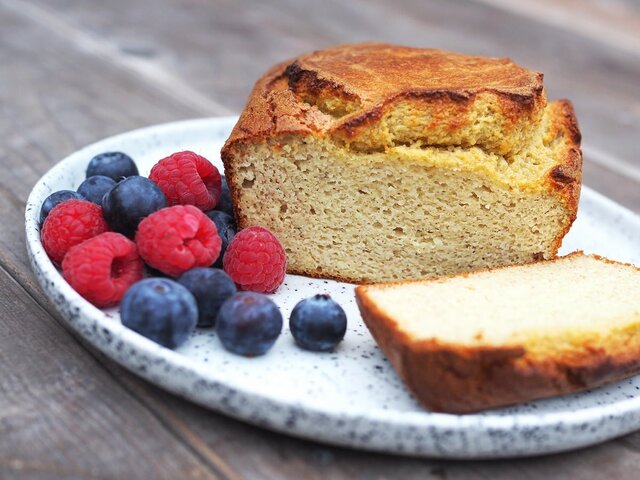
73	71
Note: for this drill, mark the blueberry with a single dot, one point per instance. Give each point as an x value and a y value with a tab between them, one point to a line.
94	188
248	324
226	227
126	204
210	287
318	323
224	203
161	310
115	165
55	199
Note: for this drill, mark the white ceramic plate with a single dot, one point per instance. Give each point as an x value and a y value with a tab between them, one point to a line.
350	397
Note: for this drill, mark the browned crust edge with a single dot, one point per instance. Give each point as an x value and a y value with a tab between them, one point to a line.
513	105
461	379
566	177
257	127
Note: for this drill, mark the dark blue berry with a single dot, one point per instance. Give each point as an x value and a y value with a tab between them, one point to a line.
126	204
55	199
161	310
226	227
224	203
115	165
94	188
248	324
210	287
318	323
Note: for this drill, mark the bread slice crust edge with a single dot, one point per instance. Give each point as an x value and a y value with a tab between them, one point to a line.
463	379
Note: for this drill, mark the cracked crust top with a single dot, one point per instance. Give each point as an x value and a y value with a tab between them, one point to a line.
375	95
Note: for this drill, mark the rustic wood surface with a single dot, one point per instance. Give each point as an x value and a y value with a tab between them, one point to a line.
74	71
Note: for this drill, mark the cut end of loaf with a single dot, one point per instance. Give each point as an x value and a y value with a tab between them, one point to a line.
412	211
375	162
509	335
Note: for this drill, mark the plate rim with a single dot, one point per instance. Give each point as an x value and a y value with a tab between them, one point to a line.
423	419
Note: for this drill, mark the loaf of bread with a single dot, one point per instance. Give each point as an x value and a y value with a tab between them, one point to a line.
375	162
509	335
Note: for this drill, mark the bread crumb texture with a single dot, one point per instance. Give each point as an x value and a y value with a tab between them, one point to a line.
508	335
544	307
373	162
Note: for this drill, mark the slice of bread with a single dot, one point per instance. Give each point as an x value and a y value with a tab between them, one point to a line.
374	162
509	335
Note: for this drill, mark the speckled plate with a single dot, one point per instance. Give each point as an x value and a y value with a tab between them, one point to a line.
350	397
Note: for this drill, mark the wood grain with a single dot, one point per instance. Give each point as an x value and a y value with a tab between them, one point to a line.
76	71
192	39
62	414
260	454
614	23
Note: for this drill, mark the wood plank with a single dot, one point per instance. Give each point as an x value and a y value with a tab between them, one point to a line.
70	108
222	47
618	188
253	451
615	24
61	414
72	99
159	79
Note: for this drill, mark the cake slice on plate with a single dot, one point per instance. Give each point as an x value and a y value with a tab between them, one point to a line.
374	162
504	336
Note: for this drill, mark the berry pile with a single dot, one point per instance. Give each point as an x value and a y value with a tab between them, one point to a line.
178	226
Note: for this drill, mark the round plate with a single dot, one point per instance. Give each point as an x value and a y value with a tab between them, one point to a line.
349	397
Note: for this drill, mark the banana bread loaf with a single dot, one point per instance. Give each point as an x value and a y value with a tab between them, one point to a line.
374	162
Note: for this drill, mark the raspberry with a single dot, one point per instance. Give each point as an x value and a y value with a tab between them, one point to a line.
176	239
70	223
102	268
55	199
255	260
187	178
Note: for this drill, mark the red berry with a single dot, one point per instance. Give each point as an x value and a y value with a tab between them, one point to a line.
255	260
187	178
102	268
70	223
176	239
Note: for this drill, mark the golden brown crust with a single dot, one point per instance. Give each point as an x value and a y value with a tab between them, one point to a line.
343	91
464	379
566	177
